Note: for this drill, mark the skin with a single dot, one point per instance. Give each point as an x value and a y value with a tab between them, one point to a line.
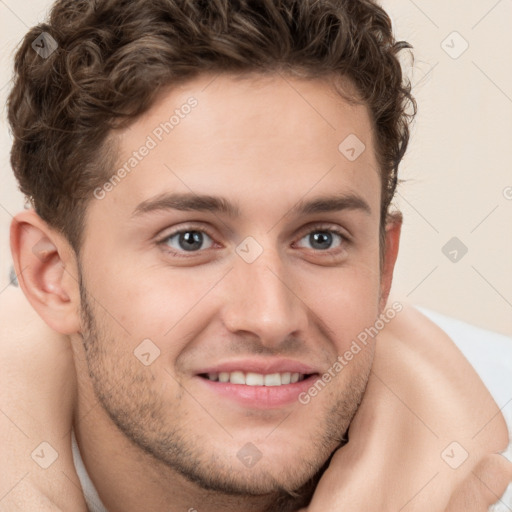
42	372
293	301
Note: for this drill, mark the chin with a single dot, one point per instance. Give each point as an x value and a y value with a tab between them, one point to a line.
256	464
281	476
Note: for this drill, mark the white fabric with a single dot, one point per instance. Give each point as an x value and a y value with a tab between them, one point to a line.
490	354
92	499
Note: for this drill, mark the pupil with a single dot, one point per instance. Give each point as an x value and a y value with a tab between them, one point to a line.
192	240
321	237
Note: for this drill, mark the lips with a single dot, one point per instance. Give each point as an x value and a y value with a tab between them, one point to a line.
260	366
259	383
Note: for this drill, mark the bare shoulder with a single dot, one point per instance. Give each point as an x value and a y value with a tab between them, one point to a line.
413	330
16	313
36	360
37	394
24	336
444	382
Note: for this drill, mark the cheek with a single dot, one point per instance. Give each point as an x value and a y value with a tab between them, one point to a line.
345	299
155	304
141	299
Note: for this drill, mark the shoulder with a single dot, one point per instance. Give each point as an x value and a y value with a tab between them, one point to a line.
22	330
488	353
449	356
35	360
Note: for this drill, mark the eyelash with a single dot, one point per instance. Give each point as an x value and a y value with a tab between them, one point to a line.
316	228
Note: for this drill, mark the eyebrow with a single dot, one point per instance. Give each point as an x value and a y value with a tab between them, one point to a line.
216	204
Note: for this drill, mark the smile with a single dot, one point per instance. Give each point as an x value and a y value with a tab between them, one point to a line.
256	379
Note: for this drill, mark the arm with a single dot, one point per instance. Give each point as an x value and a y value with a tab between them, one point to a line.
389	458
422	396
37	390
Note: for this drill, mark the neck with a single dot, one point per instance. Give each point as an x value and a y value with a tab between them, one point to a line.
129	479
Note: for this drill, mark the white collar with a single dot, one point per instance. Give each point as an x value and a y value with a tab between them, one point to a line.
92	499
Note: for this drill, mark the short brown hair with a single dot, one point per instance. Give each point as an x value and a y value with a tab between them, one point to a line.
114	56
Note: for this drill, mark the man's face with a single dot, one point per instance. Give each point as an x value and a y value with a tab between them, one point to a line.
269	289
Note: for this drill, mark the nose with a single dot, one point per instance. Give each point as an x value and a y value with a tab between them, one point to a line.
263	300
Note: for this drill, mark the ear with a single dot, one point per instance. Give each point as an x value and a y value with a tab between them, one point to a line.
47	271
392	242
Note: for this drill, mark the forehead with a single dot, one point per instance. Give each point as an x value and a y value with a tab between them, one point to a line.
256	138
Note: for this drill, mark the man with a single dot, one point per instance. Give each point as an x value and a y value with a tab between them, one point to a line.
211	185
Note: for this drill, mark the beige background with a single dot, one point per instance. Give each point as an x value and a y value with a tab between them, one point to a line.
458	170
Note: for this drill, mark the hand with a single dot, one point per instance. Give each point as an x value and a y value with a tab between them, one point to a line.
392	461
422	396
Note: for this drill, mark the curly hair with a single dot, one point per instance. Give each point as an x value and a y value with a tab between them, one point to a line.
114	56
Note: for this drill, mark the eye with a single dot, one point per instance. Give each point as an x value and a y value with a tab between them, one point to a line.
194	240
186	240
322	239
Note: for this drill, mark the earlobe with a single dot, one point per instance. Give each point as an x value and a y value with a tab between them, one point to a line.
46	268
393	230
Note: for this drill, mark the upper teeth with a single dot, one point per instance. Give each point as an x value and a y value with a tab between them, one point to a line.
256	379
